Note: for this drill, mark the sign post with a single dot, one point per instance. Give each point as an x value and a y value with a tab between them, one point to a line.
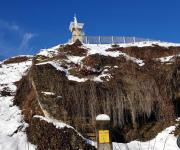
103	133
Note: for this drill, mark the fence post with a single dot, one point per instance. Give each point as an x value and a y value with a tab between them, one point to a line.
112	40
99	39
134	39
103	133
124	40
86	40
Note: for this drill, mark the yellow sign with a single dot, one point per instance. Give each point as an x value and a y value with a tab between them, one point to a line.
104	136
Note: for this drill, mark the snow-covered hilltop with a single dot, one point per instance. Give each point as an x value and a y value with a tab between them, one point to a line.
104	50
45	98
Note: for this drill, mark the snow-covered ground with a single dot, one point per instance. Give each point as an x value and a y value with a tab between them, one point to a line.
101	49
12	126
163	141
50	52
167	59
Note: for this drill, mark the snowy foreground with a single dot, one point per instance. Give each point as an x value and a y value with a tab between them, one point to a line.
163	141
12	126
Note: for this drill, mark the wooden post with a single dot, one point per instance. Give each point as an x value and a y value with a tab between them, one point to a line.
103	133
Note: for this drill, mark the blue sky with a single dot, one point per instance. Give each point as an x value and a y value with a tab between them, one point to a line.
29	25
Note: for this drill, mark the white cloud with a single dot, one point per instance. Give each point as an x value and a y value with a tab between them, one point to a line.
25	40
15	27
14	39
9	26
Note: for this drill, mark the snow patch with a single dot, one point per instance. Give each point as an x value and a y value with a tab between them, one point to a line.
15	142
50	52
163	141
168	58
48	93
101	49
77	79
178	119
102	117
59	125
70	77
10	73
106	76
55	64
75	59
149	43
56	123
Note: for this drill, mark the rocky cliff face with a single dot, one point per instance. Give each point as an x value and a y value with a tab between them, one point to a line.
136	85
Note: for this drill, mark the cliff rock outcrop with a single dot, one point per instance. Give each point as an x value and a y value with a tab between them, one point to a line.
134	85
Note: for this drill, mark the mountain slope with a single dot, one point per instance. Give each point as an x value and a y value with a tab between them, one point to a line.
13	128
136	84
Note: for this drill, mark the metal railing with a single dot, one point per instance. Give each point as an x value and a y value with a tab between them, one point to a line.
112	40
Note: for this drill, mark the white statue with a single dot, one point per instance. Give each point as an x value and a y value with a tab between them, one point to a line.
77	30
